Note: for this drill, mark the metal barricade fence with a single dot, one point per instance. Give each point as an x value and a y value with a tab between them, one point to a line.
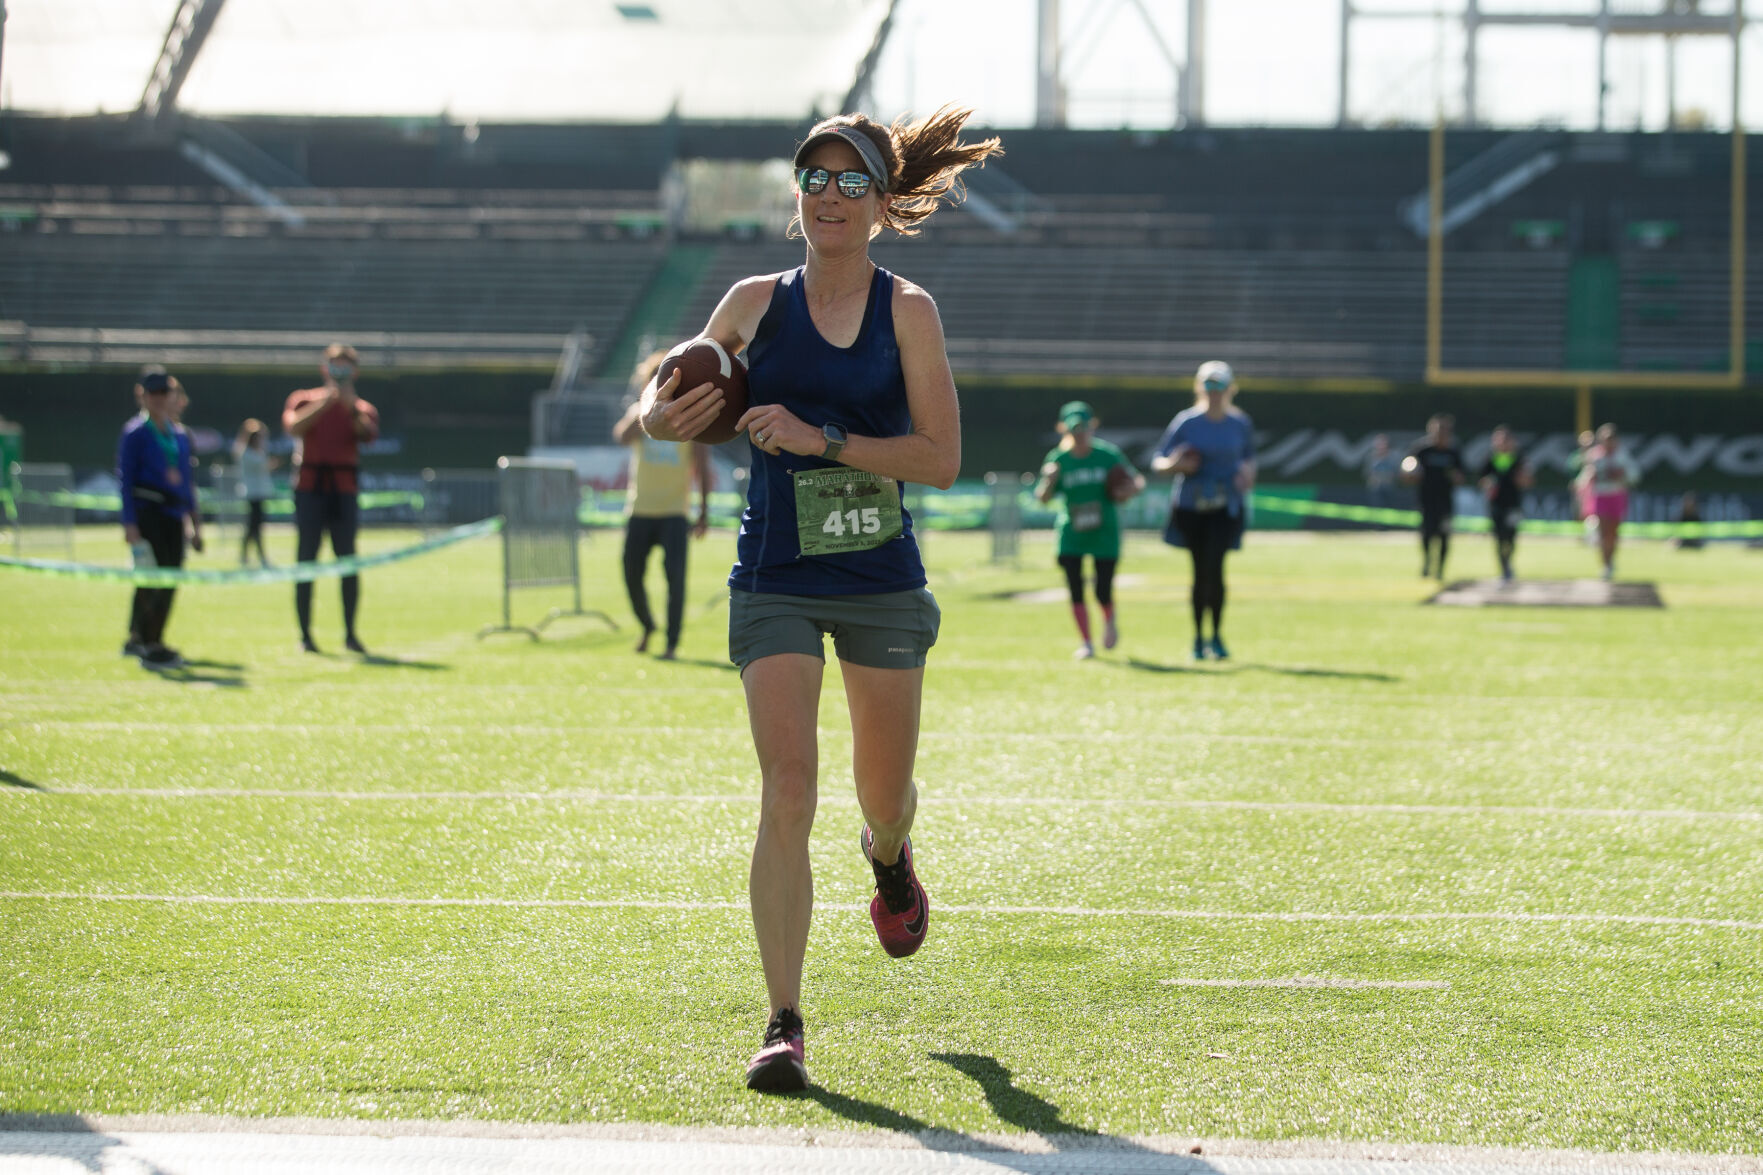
541	530
223	503
1004	518
44	499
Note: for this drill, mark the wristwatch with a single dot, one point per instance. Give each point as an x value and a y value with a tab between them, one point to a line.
835	441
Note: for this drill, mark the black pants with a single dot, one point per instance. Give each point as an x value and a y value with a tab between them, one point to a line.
1435	529
253	532
642	535
315	512
1209	536
151	607
1505	537
1073	566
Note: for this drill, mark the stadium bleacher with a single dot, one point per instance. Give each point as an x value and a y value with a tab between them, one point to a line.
1112	253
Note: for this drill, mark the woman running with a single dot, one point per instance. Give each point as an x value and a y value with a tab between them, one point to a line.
1211	450
1078	470
1605	478
850	394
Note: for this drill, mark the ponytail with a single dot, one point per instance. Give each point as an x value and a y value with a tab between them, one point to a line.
925	160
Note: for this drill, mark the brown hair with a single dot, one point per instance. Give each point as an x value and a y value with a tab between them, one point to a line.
250	431
925	160
342	351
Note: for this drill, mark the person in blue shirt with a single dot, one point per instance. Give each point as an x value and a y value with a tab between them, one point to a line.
1211	450
849	396
158	484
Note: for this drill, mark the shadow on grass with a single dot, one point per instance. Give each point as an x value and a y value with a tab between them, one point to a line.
698	663
379	661
223	675
11	780
1231	667
66	1139
1017	1107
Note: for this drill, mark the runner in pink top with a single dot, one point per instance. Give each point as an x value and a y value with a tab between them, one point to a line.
1604	481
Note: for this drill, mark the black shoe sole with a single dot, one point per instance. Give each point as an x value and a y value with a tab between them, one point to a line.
779	1075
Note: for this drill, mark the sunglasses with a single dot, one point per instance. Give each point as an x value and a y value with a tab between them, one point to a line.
342	372
853	185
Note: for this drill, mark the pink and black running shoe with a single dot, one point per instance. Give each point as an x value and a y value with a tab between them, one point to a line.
900	908
781	1065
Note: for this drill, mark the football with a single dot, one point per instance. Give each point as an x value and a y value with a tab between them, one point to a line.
704	360
1119	483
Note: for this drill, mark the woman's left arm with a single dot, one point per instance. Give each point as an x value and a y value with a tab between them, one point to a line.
1245	478
928	455
931	453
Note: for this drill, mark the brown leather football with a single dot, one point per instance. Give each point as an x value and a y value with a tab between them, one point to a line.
704	360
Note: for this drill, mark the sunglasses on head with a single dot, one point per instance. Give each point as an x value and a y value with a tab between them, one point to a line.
853	185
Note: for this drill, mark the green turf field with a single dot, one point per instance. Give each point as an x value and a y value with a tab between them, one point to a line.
500	879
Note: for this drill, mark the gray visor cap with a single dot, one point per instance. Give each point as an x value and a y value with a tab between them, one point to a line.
860	142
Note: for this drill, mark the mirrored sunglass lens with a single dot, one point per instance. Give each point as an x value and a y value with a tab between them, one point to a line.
853	183
812	180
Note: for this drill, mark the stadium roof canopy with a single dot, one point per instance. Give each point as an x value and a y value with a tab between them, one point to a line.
495	60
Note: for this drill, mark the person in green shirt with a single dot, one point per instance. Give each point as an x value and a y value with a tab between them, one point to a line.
1077	471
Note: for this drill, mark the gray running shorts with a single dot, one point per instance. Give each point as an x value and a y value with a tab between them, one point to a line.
890	630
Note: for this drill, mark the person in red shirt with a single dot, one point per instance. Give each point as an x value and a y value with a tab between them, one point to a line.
328	425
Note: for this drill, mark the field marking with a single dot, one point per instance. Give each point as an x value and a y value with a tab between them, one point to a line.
1316	981
192	1145
492	729
752	798
1409	698
698	904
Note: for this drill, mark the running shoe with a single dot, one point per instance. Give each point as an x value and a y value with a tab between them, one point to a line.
1219	652
780	1065
1084	651
354	645
134	648
1199	649
1110	635
160	657
900	908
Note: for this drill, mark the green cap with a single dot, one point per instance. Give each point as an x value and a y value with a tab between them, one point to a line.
1075	414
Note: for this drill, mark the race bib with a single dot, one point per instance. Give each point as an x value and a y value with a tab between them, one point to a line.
1086	516
1209	496
840	509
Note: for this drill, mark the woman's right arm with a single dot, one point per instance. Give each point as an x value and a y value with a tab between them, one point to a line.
669	414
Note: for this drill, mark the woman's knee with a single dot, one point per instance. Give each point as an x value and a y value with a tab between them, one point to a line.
790	794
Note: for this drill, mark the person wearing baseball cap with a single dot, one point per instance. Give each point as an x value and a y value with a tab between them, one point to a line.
157	477
1078	471
1210	448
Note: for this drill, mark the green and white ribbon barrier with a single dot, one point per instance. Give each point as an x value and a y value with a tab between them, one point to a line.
112	504
1380	516
289	573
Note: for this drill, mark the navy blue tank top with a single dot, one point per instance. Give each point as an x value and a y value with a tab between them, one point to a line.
860	387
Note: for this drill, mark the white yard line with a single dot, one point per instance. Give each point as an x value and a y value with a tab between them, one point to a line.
1316	981
1521	917
600	729
187	1146
752	798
